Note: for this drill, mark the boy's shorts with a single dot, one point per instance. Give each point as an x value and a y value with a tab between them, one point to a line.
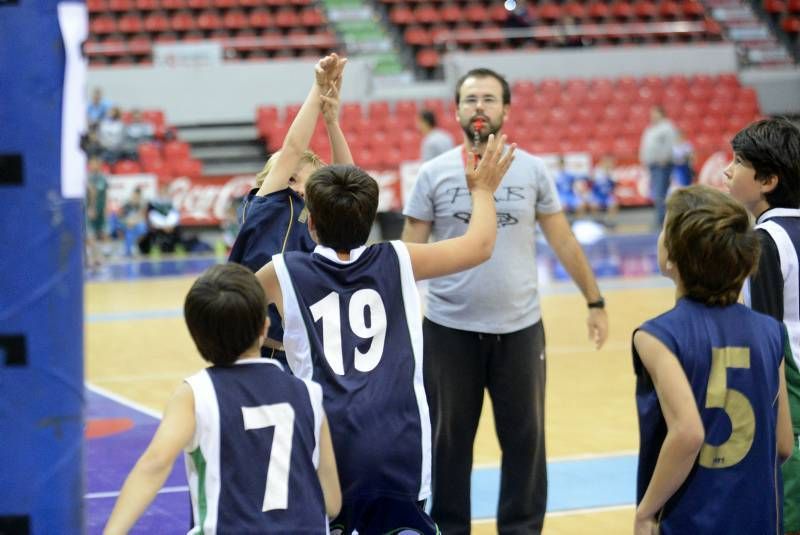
791	490
384	516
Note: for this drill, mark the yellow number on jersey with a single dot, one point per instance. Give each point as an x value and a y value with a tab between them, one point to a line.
736	406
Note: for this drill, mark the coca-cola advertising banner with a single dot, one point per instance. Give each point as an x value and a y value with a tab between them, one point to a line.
200	201
206	201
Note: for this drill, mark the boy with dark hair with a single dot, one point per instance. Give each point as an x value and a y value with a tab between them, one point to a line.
765	176
352	323
702	469
274	217
221	419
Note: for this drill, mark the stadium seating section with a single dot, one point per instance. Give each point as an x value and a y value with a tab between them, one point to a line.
165	156
598	116
478	25
123	31
786	14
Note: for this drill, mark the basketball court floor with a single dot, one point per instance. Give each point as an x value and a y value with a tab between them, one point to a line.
138	350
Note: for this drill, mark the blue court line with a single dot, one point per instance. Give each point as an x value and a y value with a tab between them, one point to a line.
105	317
573	484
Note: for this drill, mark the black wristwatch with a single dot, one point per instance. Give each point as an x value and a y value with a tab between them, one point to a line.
600	303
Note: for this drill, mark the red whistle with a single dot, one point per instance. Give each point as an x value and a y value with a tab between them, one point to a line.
478	123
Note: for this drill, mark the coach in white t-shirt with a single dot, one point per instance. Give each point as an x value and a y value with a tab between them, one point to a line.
483	327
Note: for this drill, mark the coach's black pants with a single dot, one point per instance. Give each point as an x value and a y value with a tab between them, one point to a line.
458	366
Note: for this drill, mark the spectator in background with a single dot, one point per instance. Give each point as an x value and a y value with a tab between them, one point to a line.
98	107
568	35
133	220
435	141
518	19
572	189
163	218
682	160
601	196
90	143
655	152
136	132
96	200
111	134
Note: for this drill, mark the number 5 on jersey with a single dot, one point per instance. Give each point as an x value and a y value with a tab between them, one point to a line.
328	310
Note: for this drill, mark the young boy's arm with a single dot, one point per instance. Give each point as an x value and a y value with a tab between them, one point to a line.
328	475
272	288
785	433
685	433
476	245
147	477
340	152
301	130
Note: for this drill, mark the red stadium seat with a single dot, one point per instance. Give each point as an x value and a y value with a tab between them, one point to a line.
622	10
182	21
189	168
476	13
575	9
286	17
209	20
225	4
417	36
149	152
146	5
426	14
126	167
156	22
549	12
428	58
452	13
405	108
669	9
176	150
199	4
154	117
235	19
496	13
261	18
173	4
103	25
378	109
791	25
645	10
96	6
312	17
120	5
130	24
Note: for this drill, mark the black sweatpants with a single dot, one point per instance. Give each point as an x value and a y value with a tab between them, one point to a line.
459	365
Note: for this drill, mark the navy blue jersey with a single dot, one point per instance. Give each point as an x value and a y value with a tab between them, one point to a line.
355	327
272	224
731	356
252	465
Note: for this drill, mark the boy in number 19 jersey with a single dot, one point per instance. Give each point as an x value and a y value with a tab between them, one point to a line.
352	323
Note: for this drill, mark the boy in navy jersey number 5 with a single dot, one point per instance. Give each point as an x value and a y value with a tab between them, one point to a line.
710	390
352	322
258	450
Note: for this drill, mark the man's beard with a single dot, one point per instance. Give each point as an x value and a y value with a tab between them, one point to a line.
488	129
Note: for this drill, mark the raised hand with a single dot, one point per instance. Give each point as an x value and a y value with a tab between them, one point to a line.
329	104
327	70
492	167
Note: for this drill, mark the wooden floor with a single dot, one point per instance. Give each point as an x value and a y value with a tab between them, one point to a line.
590	394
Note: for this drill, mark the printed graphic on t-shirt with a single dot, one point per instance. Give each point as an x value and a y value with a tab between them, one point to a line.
503	194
